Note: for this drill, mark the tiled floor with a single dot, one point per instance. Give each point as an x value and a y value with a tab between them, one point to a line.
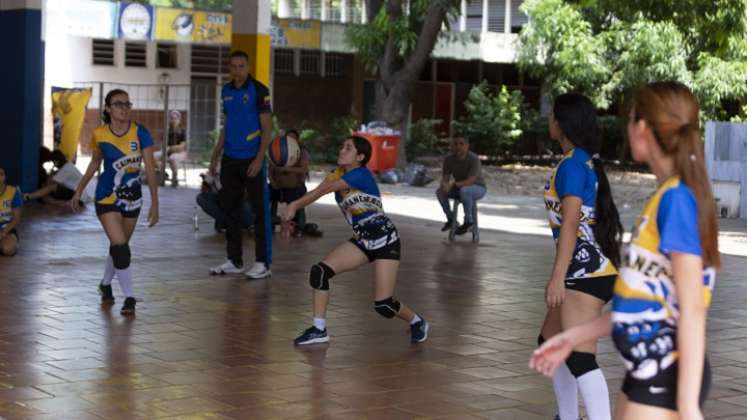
220	347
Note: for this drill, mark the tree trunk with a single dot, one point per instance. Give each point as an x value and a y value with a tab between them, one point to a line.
397	74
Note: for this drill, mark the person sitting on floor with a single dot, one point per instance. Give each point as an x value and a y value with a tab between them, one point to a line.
208	201
10	215
50	191
288	184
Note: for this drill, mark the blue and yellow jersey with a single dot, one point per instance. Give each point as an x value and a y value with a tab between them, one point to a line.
361	205
119	183
242	107
644	304
575	176
9	200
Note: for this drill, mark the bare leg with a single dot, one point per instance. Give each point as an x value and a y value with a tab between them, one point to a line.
345	257
386	280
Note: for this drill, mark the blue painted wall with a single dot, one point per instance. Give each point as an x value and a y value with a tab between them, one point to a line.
21	106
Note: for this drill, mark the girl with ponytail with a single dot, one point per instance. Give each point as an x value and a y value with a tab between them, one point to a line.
587	231
667	272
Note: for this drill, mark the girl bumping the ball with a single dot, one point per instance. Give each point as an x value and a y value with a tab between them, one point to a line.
667	272
375	240
121	144
587	230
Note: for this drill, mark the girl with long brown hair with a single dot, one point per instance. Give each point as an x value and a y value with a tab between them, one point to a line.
667	272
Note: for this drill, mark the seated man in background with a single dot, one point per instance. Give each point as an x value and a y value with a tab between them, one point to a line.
176	150
208	201
288	184
468	185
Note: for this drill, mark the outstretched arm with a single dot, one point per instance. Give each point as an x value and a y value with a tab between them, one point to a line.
326	187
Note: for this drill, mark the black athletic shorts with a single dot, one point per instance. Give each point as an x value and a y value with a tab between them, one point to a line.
106	208
661	390
390	251
599	287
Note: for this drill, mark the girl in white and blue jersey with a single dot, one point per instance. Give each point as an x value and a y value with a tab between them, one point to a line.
586	227
375	240
667	272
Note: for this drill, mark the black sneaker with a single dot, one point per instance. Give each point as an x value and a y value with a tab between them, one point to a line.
107	297
129	306
312	335
446	226
419	331
461	230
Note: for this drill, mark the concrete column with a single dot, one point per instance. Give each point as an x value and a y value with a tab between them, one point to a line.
251	34
463	16
507	20
21	105
305	9
323	10
485	12
364	12
344	11
285	9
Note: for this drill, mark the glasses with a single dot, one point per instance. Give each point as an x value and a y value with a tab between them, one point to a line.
126	105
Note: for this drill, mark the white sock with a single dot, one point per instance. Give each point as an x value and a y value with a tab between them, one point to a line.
125	281
595	394
415	319
566	393
108	271
320	324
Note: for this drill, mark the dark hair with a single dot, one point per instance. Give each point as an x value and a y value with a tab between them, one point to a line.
45	155
363	147
671	111
293	131
58	158
239	53
108	102
577	119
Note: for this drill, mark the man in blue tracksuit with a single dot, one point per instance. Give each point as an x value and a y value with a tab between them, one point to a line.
243	142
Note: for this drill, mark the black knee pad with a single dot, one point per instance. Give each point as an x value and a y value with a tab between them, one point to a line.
120	256
540	339
319	276
388	308
580	363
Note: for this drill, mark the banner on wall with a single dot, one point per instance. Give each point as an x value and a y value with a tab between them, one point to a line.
135	21
86	18
212	28
174	24
184	25
292	33
68	113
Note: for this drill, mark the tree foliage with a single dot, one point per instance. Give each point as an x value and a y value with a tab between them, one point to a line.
606	47
493	121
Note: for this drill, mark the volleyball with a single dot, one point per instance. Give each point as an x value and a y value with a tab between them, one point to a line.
284	151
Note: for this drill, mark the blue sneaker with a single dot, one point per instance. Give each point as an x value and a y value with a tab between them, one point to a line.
419	331
312	335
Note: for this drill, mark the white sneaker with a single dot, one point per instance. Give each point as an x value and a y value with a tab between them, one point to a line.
258	271
226	268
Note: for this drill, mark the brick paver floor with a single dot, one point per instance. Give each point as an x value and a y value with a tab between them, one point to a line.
220	347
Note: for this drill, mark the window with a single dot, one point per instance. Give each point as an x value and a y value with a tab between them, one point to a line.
334	64
135	54
103	52
210	59
166	57
310	62
284	61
